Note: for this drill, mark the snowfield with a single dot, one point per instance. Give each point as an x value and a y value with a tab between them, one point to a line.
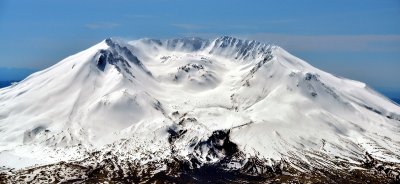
149	100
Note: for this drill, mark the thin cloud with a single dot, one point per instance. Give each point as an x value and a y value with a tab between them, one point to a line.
279	21
140	16
102	25
214	26
239	26
190	26
330	42
199	34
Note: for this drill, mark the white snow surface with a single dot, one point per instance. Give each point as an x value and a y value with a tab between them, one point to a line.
117	91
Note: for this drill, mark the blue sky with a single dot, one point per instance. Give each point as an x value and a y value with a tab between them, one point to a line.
355	39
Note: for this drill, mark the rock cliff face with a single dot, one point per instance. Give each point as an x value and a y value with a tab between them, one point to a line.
195	110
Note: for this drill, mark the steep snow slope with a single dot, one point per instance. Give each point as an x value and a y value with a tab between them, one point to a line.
180	97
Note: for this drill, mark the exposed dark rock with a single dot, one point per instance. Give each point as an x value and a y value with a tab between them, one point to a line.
174	134
314	94
372	109
120	64
253	170
262	62
102	61
241	49
193	44
310	76
122	53
191	66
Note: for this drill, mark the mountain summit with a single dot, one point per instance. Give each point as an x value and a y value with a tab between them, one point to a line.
149	110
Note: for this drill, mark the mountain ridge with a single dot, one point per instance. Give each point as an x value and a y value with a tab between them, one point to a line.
234	103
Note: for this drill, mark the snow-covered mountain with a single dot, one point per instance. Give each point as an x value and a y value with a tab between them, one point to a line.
145	107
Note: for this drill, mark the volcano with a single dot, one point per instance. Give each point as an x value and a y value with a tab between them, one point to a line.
195	110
